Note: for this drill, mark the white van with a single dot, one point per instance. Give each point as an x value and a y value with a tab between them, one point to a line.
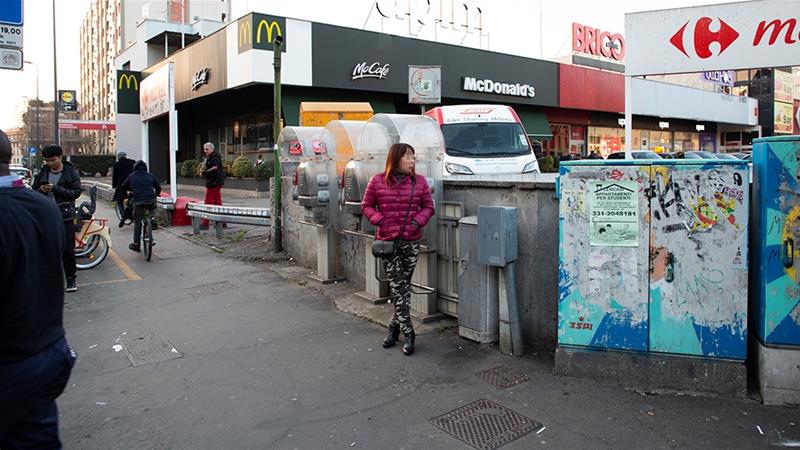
484	139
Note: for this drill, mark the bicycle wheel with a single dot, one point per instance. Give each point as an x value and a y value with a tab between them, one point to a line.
147	237
120	208
90	246
93	258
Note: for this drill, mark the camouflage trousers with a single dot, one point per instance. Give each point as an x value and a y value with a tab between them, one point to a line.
399	269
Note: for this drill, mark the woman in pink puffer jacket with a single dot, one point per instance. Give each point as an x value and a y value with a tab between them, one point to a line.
389	205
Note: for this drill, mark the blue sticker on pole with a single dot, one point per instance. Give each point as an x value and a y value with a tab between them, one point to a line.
11	12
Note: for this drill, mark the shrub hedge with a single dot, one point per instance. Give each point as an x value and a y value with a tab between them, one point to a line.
265	170
188	168
242	168
92	164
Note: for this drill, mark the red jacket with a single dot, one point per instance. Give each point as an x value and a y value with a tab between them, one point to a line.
385	205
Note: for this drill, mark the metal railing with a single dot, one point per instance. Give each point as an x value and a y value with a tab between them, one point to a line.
221	214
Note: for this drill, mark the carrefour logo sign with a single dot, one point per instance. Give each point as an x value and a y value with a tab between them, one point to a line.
498	87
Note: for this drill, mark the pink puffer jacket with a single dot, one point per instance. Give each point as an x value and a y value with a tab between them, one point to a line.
385	205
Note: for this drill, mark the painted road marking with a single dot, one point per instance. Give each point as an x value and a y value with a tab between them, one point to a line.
124	267
99	283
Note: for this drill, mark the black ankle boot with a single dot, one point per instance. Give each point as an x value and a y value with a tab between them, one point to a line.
408	347
391	338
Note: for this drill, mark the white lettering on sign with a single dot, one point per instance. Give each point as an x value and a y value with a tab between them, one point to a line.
496	87
374	70
434	17
200	78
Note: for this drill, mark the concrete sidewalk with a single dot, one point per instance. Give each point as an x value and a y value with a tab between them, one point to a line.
220	344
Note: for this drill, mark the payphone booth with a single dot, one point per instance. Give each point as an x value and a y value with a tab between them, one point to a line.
379	133
308	158
297	145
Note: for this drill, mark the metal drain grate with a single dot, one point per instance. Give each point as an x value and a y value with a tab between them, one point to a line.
502	377
211	288
484	424
149	349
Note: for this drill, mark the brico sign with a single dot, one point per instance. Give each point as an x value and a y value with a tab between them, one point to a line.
729	36
596	42
258	32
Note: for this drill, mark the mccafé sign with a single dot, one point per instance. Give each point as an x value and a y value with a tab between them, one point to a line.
258	32
593	41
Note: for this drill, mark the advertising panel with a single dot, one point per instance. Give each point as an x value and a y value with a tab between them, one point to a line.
784	86
424	85
154	93
128	91
783	118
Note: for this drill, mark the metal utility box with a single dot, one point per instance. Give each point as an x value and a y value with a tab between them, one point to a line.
497	235
477	288
776	246
653	256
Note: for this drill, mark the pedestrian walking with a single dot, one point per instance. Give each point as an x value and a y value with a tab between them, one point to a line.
35	360
144	189
399	202
259	161
214	174
59	181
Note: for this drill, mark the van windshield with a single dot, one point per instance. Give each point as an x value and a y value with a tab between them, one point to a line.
496	139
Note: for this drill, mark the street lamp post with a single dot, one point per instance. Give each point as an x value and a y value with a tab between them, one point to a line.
276	130
38	125
55	82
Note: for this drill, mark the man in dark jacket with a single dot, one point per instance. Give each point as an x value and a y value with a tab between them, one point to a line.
59	181
214	174
35	360
122	170
144	188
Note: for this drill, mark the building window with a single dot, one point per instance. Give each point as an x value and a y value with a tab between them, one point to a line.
606	140
687	141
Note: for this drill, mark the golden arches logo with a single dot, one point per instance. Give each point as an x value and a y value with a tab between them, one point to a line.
245	32
128	79
272	26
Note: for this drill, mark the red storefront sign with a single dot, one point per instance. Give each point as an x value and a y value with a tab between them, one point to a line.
64	124
592	41
590	89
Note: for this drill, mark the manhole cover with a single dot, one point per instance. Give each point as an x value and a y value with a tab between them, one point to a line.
149	349
502	377
211	288
484	424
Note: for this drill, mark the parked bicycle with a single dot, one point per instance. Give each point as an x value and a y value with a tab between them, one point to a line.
93	237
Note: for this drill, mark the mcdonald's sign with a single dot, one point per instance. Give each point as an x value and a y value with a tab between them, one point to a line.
128	91
257	32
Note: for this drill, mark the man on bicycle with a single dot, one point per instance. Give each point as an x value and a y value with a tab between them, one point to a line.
143	189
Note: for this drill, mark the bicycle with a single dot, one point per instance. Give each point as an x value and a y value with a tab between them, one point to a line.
146	240
93	237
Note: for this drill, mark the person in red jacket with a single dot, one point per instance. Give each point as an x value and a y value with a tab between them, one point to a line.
399	202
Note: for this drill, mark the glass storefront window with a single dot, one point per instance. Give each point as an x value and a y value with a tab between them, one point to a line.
687	141
606	140
663	139
559	144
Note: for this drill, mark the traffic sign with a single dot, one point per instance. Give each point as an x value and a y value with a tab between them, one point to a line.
11	12
32	151
10	58
10	36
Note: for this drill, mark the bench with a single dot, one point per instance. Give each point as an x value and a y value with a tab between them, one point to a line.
221	214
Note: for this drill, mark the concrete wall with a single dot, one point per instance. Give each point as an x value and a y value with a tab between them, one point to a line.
537	266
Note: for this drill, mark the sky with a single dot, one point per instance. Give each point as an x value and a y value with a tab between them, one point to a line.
512	26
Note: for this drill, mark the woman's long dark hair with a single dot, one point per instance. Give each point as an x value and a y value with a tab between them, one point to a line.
396	153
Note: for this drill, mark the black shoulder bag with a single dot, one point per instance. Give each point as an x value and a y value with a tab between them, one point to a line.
385	249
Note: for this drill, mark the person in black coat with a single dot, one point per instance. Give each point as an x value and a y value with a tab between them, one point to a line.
35	359
214	173
143	189
123	168
60	181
